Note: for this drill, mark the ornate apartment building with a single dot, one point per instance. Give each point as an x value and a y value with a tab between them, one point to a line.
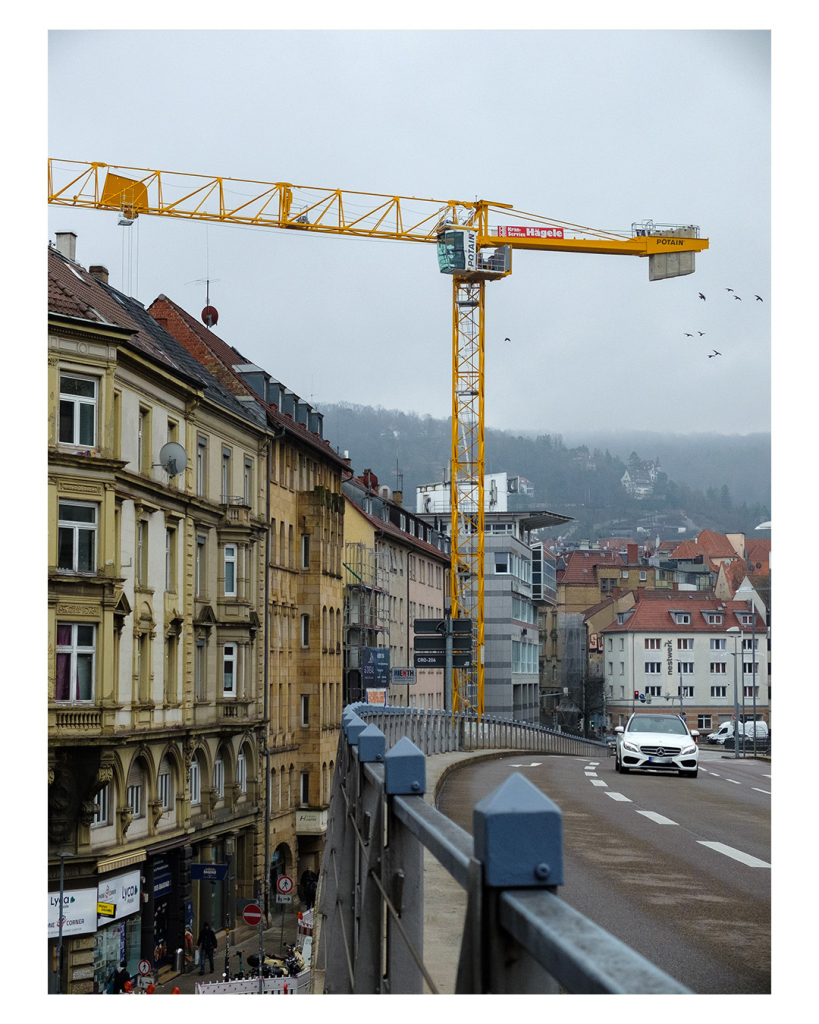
194	631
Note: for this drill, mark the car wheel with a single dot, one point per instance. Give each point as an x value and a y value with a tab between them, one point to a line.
616	763
623	770
690	775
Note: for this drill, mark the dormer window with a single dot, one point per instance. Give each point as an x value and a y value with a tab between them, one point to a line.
682	618
714	618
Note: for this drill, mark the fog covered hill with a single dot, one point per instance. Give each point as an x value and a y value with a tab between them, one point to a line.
712	474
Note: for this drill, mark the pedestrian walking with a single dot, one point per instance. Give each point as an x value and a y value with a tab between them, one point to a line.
121	975
309	880
207	946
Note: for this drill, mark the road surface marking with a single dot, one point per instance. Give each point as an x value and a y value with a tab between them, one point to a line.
534	764
590	775
766	776
716	775
762	791
599	782
593	764
729	851
734	782
619	796
659	818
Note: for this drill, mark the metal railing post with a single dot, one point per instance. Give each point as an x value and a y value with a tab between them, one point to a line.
402	875
369	830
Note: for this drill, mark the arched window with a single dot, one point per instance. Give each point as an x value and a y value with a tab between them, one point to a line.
196	782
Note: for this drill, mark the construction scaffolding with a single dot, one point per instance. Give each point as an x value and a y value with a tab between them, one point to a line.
366	611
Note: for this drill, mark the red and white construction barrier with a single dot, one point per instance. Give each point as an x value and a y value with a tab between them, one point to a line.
250	987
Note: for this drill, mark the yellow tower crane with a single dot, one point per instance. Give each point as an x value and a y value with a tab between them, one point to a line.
470	249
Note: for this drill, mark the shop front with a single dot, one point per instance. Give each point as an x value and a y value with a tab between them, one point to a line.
119	925
166	913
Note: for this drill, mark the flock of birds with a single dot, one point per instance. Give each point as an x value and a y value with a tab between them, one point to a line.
702	333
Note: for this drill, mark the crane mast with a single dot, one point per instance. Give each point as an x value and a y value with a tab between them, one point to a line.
471	250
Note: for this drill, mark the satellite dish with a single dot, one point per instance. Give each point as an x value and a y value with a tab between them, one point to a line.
173	458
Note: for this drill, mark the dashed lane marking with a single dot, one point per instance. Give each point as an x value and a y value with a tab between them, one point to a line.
659	818
599	782
734	782
729	851
762	791
619	796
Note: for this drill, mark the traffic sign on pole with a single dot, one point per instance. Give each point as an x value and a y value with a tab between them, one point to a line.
252	914
284	884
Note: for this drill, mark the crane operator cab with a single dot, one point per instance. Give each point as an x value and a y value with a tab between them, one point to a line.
458	253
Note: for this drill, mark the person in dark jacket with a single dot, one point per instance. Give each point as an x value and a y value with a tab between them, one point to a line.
309	880
121	975
207	946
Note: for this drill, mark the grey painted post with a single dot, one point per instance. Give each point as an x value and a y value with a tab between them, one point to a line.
519	841
402	874
369	821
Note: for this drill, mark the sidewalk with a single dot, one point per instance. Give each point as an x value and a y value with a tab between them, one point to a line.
248	942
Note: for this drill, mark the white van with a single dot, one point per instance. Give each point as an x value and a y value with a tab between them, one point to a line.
760	729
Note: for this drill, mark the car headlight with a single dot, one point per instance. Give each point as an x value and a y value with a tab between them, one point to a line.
690	750
631	746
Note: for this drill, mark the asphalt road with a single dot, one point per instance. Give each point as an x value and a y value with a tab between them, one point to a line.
636	860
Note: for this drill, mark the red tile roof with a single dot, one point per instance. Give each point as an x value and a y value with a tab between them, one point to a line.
653	613
581	565
72	291
715	545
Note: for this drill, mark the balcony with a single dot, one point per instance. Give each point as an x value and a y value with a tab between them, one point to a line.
236	509
78	720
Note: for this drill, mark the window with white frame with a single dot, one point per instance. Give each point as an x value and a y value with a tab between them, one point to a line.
750	644
653	668
750	668
231	553
643	575
133	791
685	691
685	644
229	658
703	722
219	777
102	814
142	553
76	655
305	551
719	691
713	619
652	643
305	709
717	668
716	644
685	668
751	691
170	558
746	619
682	618
305	630
163	785
653	691
241	773
77	537
196	782
78	410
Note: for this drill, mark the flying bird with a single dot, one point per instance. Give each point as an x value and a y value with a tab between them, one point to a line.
702	297
729	289
507	339
737	297
759	298
701	333
688	335
714	353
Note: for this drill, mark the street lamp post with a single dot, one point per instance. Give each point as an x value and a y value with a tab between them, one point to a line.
737	635
60	924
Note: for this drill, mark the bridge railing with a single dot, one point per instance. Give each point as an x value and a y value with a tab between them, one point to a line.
519	937
439	732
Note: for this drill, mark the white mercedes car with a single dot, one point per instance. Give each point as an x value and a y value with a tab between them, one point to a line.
652	742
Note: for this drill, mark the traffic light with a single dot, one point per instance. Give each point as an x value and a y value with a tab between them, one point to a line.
636	694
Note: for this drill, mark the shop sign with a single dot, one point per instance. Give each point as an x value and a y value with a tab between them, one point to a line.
79	912
123	892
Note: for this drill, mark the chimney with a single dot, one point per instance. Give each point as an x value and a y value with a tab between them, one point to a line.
631	554
67	244
398	497
101	273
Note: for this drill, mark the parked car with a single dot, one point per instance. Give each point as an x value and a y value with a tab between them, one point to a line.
747	742
656	742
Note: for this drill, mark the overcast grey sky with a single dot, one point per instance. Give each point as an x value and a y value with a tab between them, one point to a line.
601	128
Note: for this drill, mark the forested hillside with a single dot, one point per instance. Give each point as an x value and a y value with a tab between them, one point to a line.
722	482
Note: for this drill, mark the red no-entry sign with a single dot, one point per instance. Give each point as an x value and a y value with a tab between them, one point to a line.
252	913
